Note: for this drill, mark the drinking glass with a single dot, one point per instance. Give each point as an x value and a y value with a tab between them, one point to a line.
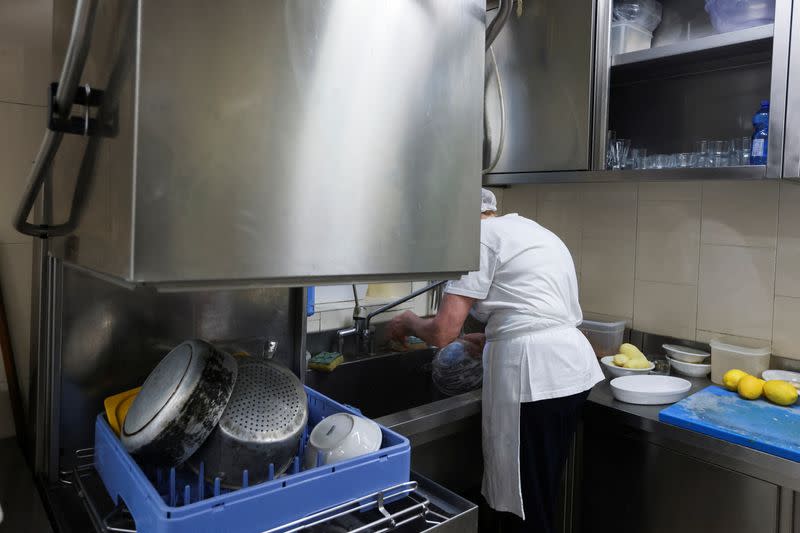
619	153
744	159
703	158
661	367
666	161
734	151
720	153
610	138
683	160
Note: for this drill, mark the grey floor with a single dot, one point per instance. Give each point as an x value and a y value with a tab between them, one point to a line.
23	511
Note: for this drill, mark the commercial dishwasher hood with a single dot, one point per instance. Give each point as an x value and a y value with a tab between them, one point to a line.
266	142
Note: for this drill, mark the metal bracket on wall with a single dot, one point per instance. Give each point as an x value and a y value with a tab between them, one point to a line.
85	124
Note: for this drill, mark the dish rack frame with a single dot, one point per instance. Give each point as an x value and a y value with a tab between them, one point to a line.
417	507
182	501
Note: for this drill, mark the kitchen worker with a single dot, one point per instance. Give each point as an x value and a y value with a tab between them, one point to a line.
537	367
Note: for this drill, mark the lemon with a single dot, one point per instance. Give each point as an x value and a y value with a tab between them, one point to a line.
751	387
780	392
631	351
732	377
620	359
638	364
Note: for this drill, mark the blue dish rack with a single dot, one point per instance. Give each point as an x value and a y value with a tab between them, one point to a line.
182	501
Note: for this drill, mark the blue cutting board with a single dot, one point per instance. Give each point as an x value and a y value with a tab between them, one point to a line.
756	424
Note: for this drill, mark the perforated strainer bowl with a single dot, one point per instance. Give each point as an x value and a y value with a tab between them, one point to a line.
262	424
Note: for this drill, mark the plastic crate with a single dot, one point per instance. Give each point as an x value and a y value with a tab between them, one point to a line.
182	501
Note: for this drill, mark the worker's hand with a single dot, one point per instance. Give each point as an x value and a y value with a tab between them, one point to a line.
399	327
476	339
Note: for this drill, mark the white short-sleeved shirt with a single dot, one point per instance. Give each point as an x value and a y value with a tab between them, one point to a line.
527	284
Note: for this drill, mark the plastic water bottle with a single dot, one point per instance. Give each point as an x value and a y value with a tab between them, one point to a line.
758	150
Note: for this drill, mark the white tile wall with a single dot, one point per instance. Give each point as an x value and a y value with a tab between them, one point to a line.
787	279
668	241
22	131
25	43
691	260
606	284
665	308
520	199
15	281
743	213
25	30
786	327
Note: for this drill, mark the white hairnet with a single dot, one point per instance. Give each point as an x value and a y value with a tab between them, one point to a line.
488	201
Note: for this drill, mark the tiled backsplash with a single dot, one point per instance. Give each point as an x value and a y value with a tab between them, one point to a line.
692	260
337	315
25	27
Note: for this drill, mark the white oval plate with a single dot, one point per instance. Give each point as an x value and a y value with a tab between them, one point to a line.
685	354
785	375
650	390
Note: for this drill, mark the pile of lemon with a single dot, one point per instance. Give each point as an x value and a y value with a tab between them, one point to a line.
752	388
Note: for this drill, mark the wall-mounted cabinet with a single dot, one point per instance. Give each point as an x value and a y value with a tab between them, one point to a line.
544	67
693	83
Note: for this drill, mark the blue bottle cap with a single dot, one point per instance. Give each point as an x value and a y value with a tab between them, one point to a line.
764	103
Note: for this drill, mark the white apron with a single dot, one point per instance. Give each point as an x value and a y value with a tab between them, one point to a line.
508	362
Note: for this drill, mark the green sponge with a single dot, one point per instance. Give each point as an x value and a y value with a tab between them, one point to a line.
326	361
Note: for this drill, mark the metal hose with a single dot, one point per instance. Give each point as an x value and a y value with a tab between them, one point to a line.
496	26
77	51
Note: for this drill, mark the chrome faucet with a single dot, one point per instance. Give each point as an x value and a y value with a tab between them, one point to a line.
362	327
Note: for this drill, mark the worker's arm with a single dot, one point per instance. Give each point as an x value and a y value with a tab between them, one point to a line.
439	330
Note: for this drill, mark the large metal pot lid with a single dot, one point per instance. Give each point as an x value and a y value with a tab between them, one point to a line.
160	387
180	403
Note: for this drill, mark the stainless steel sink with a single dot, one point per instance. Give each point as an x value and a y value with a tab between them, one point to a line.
380	385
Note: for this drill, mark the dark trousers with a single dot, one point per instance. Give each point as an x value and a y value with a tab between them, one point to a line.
546	430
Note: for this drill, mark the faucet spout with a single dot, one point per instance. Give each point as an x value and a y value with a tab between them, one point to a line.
362	321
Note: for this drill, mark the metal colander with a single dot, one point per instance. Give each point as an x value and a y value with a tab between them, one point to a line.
268	403
262	424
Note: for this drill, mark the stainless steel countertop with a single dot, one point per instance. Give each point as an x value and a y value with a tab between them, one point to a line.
425	422
746	460
22	507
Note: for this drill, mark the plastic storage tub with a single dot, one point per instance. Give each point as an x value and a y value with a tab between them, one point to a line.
646	14
605	337
732	15
182	501
629	37
753	359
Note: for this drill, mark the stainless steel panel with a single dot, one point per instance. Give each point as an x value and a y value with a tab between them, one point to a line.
545	64
281	140
796	513
630	486
602	84
791	160
778	88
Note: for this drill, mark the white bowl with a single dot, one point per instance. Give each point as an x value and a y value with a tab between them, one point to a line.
785	375
650	390
696	370
618	371
685	354
339	437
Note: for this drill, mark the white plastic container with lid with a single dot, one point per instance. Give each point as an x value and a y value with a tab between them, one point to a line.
629	37
605	337
725	355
